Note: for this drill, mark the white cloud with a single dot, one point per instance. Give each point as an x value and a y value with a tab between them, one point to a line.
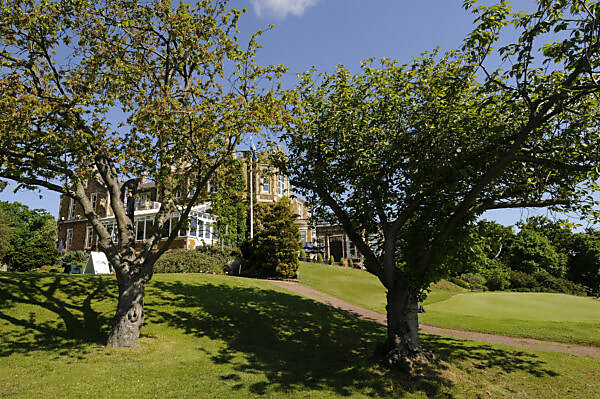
281	8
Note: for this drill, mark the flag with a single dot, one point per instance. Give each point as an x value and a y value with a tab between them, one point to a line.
253	148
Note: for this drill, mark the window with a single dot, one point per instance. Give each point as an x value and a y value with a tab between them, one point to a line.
353	253
280	184
193	226
149	226
140	229
303	236
200	228
72	209
89	237
94	199
213	187
69	239
266	184
299	210
167	229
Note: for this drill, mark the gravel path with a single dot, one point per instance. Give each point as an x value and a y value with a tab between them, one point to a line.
367	314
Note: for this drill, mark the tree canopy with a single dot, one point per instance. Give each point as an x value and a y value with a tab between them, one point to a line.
404	156
27	237
113	91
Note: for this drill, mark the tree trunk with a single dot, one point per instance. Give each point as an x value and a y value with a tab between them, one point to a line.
402	347
129	318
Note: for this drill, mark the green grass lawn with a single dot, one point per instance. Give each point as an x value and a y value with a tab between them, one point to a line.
557	317
211	336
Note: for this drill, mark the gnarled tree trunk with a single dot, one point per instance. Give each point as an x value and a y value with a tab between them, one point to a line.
402	348
129	317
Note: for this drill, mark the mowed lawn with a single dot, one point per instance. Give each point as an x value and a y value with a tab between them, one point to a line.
211	336
556	317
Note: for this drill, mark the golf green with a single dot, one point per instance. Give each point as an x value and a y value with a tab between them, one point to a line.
521	306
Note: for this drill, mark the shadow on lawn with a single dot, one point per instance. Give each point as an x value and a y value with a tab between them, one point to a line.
297	343
72	320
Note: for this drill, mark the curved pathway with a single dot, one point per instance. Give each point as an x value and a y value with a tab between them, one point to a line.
368	314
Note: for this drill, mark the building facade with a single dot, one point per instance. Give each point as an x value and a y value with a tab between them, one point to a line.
335	242
270	186
75	233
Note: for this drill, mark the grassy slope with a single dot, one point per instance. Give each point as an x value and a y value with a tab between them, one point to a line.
224	337
556	317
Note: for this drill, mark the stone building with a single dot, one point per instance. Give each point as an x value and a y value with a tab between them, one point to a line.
335	242
75	233
270	186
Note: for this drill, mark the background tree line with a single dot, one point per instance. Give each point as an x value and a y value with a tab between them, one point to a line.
543	255
27	237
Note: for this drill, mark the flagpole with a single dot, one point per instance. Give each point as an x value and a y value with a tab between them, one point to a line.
251	198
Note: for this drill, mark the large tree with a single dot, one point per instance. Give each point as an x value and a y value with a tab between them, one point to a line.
31	240
113	91
405	156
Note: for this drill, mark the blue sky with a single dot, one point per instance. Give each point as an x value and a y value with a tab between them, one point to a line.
326	33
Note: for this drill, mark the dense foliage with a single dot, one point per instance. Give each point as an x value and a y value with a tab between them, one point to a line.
405	156
30	237
273	252
118	91
229	206
203	259
545	255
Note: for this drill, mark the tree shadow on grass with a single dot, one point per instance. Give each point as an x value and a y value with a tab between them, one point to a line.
60	316
294	342
297	343
483	356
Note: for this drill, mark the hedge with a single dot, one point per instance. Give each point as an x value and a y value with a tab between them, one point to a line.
204	259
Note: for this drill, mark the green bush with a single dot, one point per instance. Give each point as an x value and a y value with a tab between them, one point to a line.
78	257
497	278
302	254
273	252
204	259
51	269
544	282
331	260
476	281
350	263
460	283
320	258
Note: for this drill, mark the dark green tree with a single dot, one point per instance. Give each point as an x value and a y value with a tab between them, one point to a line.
557	231
404	156
5	231
229	204
273	252
584	261
532	252
32	237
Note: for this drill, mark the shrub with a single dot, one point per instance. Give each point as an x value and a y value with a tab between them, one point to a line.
204	259
331	260
302	254
320	258
544	282
350	263
521	280
475	280
460	283
51	269
497	278
78	257
273	252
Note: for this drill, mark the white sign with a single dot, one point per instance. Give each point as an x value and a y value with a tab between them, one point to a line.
97	264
